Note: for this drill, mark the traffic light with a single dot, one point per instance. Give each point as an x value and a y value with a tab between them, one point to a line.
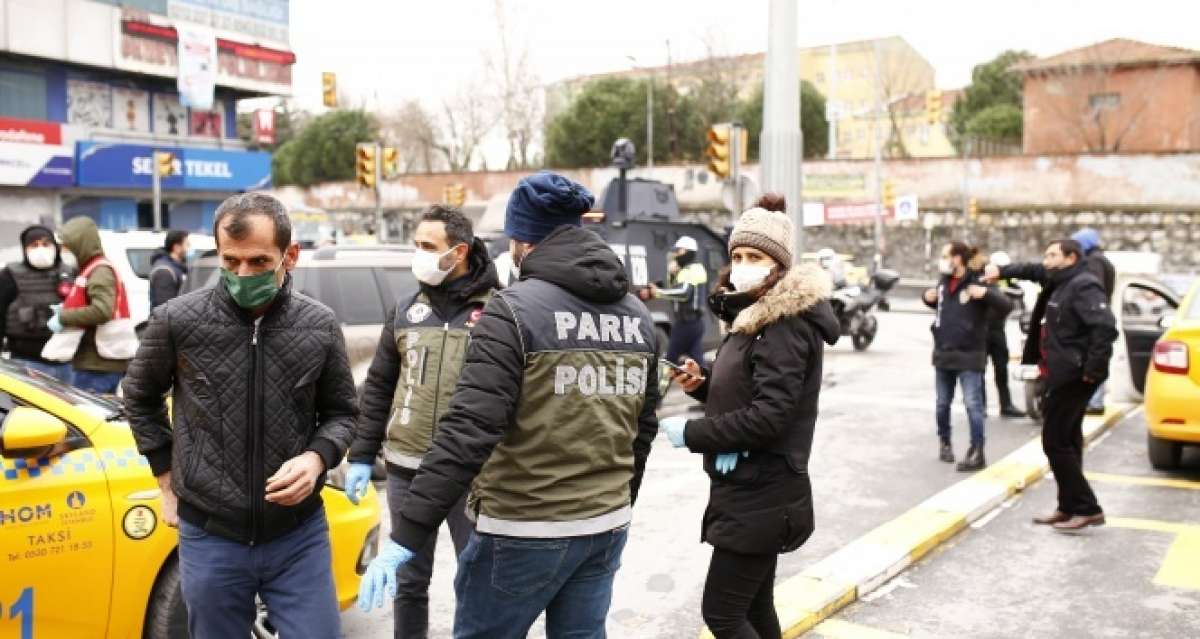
365	164
455	195
973	208
889	194
933	106
718	150
391	162
164	163
329	89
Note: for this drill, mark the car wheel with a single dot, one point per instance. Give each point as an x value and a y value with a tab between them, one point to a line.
1164	453
166	616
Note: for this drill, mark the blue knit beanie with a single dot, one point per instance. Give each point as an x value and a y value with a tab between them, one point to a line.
1088	239
543	202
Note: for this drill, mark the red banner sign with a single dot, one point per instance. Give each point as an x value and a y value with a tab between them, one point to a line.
264	126
30	131
859	212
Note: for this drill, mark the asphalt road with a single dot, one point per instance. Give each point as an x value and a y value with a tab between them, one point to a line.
1138	576
874	457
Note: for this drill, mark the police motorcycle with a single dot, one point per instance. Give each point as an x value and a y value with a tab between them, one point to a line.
854	307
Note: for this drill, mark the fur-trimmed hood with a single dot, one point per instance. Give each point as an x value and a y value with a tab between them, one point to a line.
805	290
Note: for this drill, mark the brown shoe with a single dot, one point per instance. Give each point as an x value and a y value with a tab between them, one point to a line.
1079	522
1052	518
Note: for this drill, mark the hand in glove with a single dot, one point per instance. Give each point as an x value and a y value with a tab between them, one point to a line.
379	581
358	481
726	462
54	324
674	427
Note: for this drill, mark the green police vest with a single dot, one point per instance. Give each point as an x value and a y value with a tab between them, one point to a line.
563	468
432	350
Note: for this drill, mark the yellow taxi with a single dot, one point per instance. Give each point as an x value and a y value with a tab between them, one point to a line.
1173	385
84	550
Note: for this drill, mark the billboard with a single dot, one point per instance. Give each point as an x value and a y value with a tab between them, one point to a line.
32	154
130	166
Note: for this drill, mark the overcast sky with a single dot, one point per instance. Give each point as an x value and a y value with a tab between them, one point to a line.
386	51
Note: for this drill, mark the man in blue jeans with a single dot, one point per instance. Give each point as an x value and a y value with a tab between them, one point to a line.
264	404
960	346
548	432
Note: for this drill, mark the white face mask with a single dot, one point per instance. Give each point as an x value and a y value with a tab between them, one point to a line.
40	256
745	277
68	258
945	266
425	267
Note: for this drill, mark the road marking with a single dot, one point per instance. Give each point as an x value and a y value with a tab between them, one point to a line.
1178	569
1134	480
839	629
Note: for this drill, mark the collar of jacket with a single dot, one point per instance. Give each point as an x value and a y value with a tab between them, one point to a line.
281	299
1061	276
801	289
579	261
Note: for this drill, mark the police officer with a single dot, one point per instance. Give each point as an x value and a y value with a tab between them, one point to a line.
28	290
408	387
549	429
688	295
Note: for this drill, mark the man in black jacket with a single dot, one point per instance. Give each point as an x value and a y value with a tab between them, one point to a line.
960	332
411	380
1103	269
168	269
548	432
28	290
264	404
1071	342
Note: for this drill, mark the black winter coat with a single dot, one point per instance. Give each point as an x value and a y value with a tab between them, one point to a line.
166	279
247	398
961	326
761	397
1100	266
1079	325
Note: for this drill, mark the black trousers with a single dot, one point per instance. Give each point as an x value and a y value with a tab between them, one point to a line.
997	348
739	596
1062	441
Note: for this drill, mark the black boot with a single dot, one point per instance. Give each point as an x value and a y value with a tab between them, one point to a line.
1006	406
973	461
1011	411
946	453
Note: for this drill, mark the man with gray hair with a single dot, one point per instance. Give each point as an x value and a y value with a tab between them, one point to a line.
264	404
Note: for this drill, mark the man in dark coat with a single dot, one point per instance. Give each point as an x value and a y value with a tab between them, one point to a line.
1100	266
264	404
168	269
960	333
1071	342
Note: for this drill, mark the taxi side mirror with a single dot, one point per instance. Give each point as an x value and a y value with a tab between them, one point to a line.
27	432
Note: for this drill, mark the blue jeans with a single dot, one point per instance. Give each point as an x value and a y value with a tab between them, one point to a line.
504	583
61	372
292	574
972	385
103	383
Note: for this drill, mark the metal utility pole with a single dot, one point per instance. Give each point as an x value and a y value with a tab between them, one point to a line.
781	143
833	108
156	186
878	114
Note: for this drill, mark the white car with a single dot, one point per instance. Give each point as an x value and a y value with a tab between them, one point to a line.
130	253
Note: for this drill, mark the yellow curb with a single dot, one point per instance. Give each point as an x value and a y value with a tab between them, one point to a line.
807	599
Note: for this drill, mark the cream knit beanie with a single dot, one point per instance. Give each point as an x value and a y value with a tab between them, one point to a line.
767	231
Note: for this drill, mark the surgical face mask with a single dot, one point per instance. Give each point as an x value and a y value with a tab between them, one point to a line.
40	256
426	267
68	258
745	277
945	266
251	291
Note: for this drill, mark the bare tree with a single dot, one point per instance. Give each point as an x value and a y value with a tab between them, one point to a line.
466	120
518	89
413	131
899	78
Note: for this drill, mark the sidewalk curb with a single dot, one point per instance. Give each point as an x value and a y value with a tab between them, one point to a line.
868	562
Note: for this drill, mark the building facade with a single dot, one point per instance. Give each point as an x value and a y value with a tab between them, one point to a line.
89	89
1114	96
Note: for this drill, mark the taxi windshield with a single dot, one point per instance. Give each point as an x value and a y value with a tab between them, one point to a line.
112	408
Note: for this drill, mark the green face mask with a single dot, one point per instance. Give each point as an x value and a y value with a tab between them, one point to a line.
251	291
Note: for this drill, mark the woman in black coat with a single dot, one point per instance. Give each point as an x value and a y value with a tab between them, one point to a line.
760	399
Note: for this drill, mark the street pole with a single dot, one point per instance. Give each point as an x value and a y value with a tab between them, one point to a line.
781	143
879	241
380	230
156	185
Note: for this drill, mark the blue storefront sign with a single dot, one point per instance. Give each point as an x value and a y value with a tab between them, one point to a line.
121	166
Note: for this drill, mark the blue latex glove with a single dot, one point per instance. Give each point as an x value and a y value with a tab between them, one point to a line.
726	462
358	481
379	582
54	324
674	427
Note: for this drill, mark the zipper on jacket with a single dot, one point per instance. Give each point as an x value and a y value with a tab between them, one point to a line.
256	479
437	384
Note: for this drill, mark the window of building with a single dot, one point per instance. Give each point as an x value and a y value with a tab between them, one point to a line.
820	78
1104	101
22	94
